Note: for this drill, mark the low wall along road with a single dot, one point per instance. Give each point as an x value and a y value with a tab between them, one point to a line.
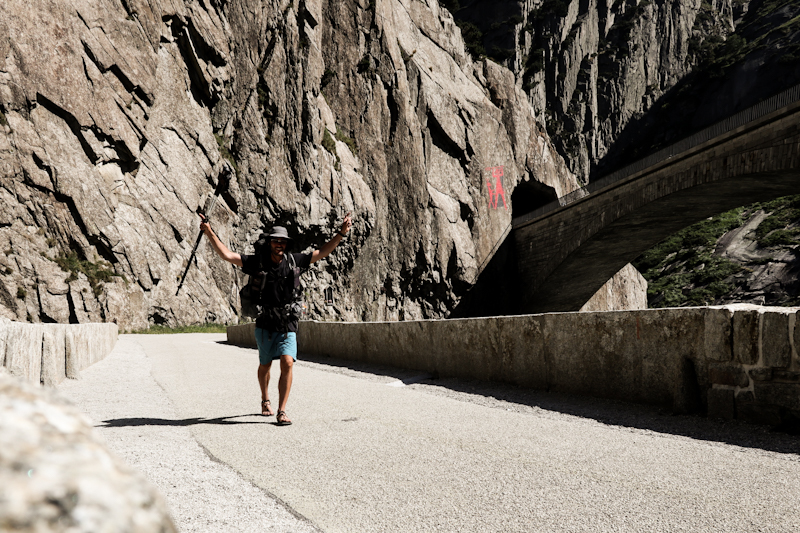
49	353
736	361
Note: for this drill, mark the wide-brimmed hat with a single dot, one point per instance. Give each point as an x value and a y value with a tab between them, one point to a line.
279	232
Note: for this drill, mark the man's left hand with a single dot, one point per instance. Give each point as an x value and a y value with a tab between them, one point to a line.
348	221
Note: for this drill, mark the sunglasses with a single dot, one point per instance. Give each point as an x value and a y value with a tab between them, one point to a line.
280	241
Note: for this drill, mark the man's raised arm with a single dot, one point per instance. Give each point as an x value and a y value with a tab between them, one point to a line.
221	249
325	251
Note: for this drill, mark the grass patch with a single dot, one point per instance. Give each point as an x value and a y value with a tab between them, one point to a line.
198	328
703	234
223	150
97	273
682	270
781	237
328	143
340	136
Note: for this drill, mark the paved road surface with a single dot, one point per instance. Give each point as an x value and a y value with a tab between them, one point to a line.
368	453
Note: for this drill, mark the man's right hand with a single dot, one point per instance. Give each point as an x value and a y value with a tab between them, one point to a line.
204	224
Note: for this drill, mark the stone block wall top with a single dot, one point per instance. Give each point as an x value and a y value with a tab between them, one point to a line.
48	353
671	357
718	328
746	331
775	346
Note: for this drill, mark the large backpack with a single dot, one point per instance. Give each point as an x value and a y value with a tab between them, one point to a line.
250	295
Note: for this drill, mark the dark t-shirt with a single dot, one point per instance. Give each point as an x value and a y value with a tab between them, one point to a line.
279	288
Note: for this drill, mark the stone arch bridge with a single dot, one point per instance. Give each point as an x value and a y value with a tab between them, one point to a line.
563	254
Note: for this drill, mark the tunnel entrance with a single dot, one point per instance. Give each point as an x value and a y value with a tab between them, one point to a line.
530	195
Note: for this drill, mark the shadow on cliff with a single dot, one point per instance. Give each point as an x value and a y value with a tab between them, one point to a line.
784	439
759	61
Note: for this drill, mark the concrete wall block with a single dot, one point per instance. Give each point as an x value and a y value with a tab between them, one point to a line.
786	375
624	355
796	336
748	410
76	352
102	339
786	395
761	374
4	327
524	362
746	327
733	375
775	345
245	334
721	404
718	330
24	351
47	353
54	354
683	357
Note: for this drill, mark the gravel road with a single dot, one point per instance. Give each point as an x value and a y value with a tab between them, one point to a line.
377	449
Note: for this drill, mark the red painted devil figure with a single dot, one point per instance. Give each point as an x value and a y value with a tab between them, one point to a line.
494	182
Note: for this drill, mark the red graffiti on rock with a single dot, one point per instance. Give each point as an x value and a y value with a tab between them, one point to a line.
494	182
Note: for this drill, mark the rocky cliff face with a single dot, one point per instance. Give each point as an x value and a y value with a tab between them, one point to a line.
591	67
115	119
617	79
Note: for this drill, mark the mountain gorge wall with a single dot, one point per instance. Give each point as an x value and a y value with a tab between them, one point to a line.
592	67
116	117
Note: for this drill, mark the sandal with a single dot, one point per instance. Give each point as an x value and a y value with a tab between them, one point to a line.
266	410
282	419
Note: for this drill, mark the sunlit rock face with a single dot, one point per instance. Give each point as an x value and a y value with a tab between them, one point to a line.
116	118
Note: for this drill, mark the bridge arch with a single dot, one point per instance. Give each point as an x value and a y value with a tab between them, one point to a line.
564	255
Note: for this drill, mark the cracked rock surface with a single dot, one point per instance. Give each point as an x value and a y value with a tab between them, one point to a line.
115	119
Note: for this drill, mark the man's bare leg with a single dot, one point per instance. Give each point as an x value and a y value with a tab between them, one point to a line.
284	387
263	382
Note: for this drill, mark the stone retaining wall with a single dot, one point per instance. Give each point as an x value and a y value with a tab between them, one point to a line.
731	362
48	353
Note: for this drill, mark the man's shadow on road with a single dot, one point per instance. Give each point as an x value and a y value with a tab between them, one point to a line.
222	421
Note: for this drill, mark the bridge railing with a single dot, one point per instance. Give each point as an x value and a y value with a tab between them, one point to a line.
731	123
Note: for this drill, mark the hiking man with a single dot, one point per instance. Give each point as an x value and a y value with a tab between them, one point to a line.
276	327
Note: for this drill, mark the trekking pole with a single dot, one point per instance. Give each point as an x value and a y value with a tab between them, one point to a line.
224	176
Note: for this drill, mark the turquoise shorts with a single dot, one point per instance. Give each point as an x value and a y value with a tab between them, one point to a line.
272	345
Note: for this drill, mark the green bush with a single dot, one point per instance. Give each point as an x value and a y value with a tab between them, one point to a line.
96	273
340	136
328	143
473	38
781	237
